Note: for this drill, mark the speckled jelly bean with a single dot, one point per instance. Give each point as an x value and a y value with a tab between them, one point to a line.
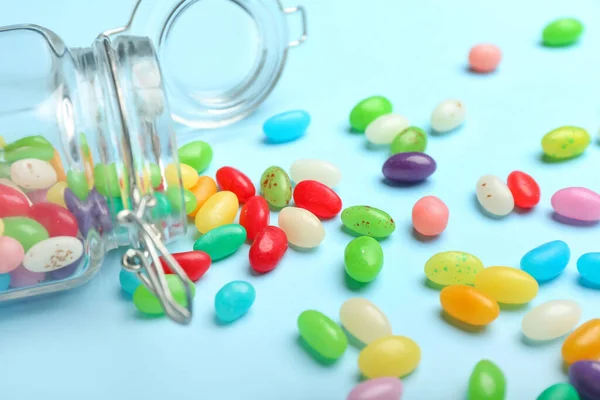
363	259
368	221
565	142
189	176
302	228
93	213
78	184
197	154
551	320
430	216
267	249
4	282
559	391
129	281
562	32
469	305
411	139
317	198
13	202
22	277
29	147
453	267
487	382
383	129
585	378
547	261
27	231
57	220
322	334
194	263
507	285
391	356
409	167
106	179
484	58
448	115
367	111
577	203
236	182
255	216
315	170
287	126
385	388
12	254
494	196
234	300
583	343
588	266
364	320
52	254
276	187
220	209
147	303
202	190
221	241
525	190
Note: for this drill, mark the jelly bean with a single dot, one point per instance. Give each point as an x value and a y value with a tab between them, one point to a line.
494	196
585	378
507	285
383	129
78	184
577	203
430	216
22	277
29	147
551	320
368	221
487	382
57	164
317	198
31	173
236	182
367	111
412	139
4	282
255	216
409	167
173	194
391	356
448	115
583	343
52	254
107	180
547	261
90	214
268	249
525	190
234	300
1	227
162	207
452	268
12	254
588	266
559	391
315	170
11	184
562	32
4	170
484	58
364	320
220	209
221	241
385	388
2	142
565	142
13	202
194	263
27	231
203	189
58	221
363	259
129	281
63	273
276	187
322	334
469	305
37	196
287	126
147	303
189	176
155	175
302	228
197	154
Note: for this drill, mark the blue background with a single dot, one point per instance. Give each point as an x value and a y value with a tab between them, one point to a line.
90	343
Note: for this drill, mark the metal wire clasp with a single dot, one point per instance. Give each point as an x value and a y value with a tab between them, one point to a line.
147	259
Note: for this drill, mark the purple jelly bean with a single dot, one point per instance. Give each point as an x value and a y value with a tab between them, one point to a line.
91	213
409	167
63	273
585	378
22	277
377	389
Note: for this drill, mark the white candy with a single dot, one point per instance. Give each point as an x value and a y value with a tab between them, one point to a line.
31	173
303	228
52	254
551	320
385	128
315	170
494	196
448	115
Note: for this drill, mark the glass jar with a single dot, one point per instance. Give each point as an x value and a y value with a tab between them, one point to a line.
87	134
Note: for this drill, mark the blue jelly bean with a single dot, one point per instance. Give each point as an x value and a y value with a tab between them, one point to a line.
547	261
4	281
129	281
234	300
286	126
588	266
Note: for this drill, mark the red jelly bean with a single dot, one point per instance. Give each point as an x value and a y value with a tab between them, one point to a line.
524	189
268	248
13	203
254	216
195	263
237	182
317	198
57	220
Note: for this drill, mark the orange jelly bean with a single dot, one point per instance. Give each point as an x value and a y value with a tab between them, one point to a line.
58	167
203	189
583	343
469	305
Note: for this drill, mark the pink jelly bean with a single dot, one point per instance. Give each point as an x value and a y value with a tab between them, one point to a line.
11	254
377	389
430	216
484	58
37	196
22	277
577	203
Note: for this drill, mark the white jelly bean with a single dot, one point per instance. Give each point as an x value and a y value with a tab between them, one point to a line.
315	170
448	115
385	128
31	173
551	320
364	320
303	228
52	254
494	196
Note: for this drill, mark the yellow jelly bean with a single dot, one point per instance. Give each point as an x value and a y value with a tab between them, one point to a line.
452	268
1	227
394	356
565	142
189	176
220	209
507	285
2	142
56	193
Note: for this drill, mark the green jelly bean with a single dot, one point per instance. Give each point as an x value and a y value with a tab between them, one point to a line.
25	230
4	170
174	197
162	207
106	179
155	175
78	184
368	221
29	147
409	140
85	148
565	142
559	391
487	382
197	154
221	242
562	32
453	268
323	335
367	110
147	303
276	187
363	259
